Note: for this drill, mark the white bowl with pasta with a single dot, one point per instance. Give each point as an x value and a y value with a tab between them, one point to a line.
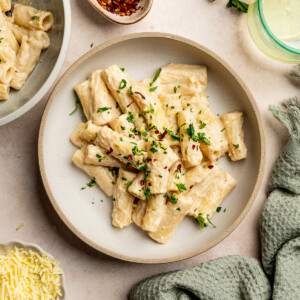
99	206
33	45
16	248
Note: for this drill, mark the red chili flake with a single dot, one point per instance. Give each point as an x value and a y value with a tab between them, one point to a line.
130	156
142	182
149	159
165	167
191	186
197	147
162	136
133	136
210	166
150	184
154	159
156	131
179	168
121	7
109	151
194	146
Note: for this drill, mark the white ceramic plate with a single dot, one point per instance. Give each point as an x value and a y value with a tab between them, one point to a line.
45	73
9	245
82	210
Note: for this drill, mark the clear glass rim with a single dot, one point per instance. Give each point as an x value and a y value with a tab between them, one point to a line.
270	33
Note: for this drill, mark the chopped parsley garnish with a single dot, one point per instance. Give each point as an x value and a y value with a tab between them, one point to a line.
130	92
123	128
128	185
147	193
181	187
153	89
91	183
35	18
130	118
223	129
124	179
153	150
151	110
218	209
123	84
113	199
201	221
0	61
143	168
236	145
83	188
172	134
117	105
121	139
156	76
100	157
202	125
92	45
210	222
196	138
241	6
77	101
136	151
159	176
178	208
173	199
175	89
103	109
113	171
122	69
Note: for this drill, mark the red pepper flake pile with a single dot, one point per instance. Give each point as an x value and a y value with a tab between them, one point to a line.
120	7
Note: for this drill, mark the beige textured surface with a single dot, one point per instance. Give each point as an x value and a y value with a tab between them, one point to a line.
92	275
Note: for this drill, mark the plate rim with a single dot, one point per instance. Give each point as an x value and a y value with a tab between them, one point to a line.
47	85
258	117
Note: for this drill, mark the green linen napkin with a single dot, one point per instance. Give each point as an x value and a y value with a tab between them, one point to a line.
236	277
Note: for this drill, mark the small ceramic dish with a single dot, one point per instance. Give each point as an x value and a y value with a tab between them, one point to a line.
9	245
145	7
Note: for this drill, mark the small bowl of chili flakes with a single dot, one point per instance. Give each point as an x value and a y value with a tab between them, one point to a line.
123	12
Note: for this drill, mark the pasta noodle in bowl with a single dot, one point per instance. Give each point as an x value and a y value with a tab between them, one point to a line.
72	198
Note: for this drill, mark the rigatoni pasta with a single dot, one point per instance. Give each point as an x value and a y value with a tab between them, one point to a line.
23	37
164	139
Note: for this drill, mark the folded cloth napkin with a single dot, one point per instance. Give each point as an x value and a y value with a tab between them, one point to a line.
277	277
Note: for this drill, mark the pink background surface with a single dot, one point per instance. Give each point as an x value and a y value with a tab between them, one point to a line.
92	275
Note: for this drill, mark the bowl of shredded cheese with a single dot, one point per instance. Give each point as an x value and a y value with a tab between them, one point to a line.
28	272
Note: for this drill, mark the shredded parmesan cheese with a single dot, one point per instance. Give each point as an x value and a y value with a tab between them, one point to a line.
27	275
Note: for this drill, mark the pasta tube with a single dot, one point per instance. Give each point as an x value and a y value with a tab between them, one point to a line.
103	177
90	131
123	126
119	83
139	212
209	193
5	5
161	158
154	212
7	71
7	55
233	123
32	18
84	94
137	187
190	149
176	176
213	128
4	91
151	109
97	156
174	213
104	107
6	35
76	139
123	201
27	57
125	149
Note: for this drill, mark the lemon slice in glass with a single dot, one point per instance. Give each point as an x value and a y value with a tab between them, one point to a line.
283	18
